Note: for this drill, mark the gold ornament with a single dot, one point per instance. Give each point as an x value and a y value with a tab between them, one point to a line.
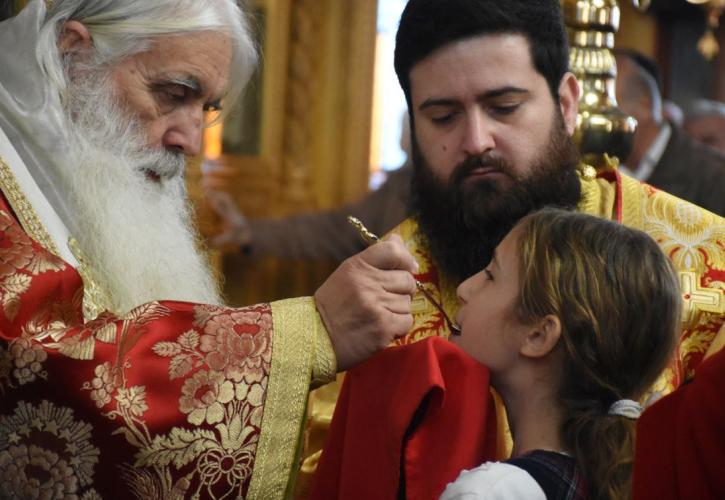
708	45
586	172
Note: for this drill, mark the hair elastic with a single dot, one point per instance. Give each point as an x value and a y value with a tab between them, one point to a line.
626	408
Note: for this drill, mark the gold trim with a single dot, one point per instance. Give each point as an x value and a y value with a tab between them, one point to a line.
324	369
95	297
718	343
591	197
24	210
633	200
295	321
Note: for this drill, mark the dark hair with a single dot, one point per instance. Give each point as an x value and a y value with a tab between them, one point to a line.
619	302
427	25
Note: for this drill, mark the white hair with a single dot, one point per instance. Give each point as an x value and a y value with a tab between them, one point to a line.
122	28
136	233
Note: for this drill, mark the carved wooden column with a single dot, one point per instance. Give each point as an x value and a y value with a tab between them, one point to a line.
301	100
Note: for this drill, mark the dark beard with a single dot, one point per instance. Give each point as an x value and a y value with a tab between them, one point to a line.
463	223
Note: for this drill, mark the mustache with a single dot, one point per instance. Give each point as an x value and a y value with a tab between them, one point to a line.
167	165
485	160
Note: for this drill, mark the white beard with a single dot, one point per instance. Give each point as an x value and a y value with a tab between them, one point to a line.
135	233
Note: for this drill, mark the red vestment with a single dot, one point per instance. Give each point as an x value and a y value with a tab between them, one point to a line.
408	420
681	440
168	401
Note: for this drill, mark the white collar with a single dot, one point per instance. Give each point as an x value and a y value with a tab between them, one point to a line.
652	157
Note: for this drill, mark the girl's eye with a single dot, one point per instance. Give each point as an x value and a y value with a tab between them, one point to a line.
488	275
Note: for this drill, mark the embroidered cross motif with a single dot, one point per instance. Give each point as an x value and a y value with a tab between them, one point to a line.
696	298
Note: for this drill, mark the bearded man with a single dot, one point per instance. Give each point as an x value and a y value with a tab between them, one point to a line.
106	391
492	108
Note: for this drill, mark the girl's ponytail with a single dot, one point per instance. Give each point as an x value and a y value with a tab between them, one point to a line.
618	300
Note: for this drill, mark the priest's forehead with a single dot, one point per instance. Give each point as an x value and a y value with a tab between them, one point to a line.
199	62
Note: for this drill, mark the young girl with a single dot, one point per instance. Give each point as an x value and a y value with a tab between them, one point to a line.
575	317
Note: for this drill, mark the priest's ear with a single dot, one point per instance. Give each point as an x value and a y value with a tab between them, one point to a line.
542	337
74	39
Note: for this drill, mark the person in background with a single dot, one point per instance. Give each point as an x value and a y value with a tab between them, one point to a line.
322	235
672	112
705	122
539	316
662	154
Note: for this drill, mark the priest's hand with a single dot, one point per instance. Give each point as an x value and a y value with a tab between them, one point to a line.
365	303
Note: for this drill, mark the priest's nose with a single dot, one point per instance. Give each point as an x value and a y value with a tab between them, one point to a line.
184	132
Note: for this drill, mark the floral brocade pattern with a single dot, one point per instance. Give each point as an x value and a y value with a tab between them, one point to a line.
224	363
19	264
45	452
172	393
223	360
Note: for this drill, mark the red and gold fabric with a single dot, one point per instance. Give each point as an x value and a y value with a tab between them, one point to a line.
172	400
693	238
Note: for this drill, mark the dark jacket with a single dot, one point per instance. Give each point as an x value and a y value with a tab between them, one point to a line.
691	171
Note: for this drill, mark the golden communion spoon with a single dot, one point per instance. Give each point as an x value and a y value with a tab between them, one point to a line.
371	239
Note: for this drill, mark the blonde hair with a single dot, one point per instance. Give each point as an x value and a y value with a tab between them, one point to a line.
618	300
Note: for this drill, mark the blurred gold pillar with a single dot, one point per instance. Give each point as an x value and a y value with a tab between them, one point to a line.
603	130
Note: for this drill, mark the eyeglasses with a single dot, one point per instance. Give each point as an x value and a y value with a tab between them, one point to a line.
371	239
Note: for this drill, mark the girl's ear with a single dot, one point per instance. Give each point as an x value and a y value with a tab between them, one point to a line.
542	338
74	38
